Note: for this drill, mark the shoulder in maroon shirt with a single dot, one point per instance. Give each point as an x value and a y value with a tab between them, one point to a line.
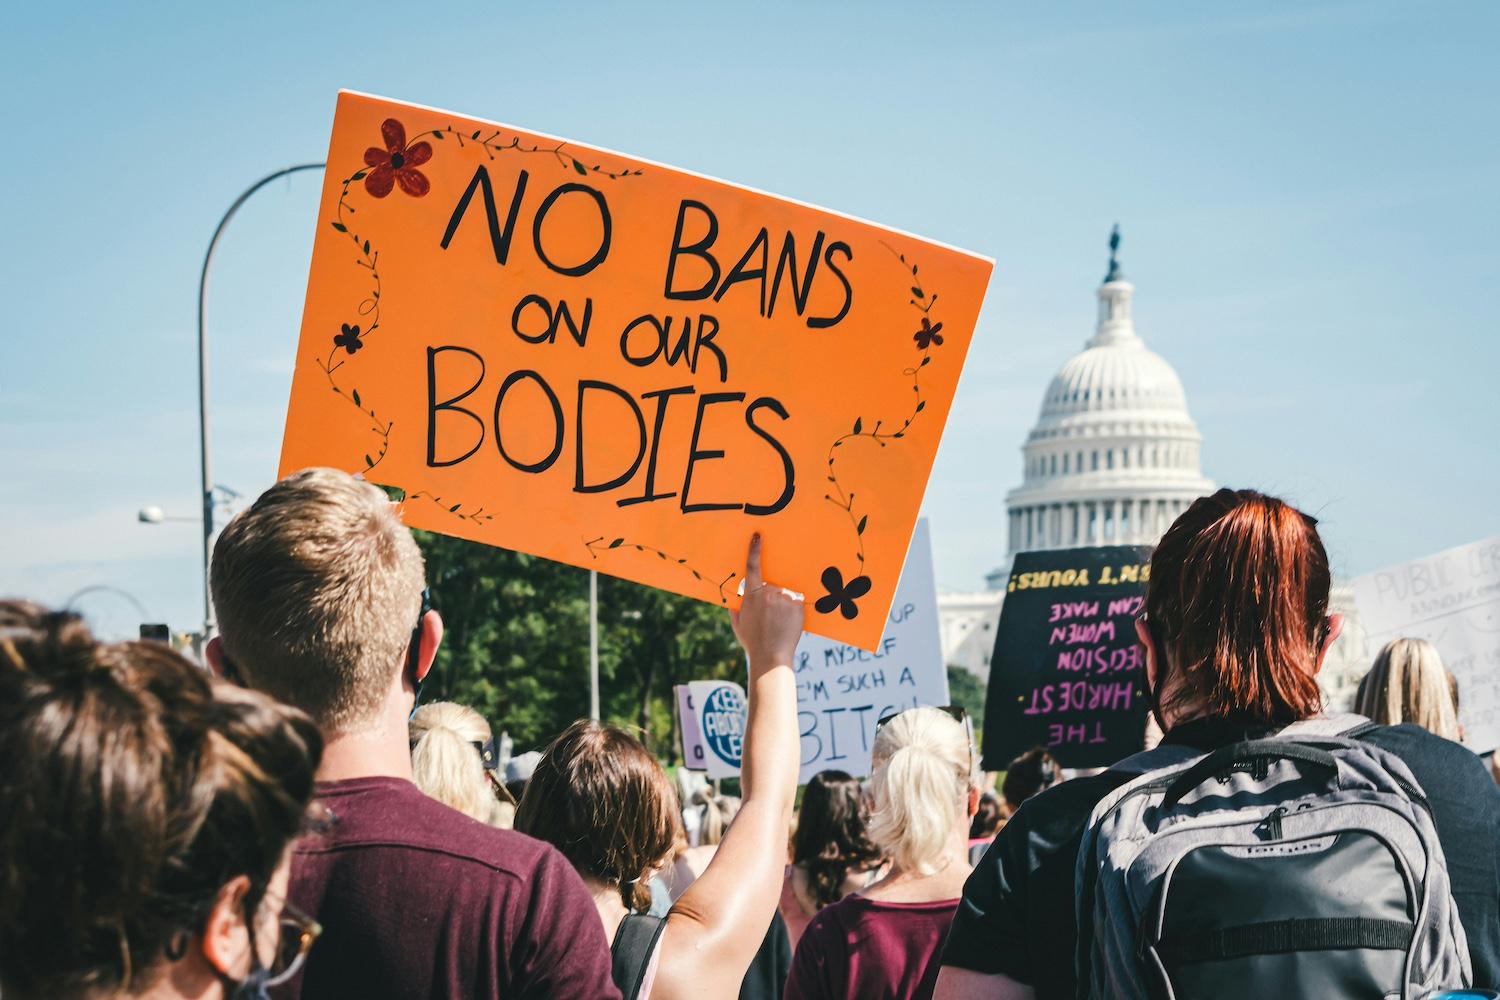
417	900
864	948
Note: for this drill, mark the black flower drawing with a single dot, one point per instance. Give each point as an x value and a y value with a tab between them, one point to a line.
841	596
349	339
928	336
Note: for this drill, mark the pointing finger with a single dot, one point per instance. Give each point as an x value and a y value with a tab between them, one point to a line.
753	579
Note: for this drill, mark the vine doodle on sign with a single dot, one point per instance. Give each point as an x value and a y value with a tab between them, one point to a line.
841	594
395	164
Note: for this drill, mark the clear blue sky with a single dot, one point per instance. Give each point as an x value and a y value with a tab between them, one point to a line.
1307	192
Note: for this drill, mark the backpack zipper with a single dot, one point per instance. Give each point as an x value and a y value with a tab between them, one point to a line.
1271	825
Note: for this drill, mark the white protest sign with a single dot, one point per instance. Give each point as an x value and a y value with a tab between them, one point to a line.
718	719
1452	600
842	691
693	754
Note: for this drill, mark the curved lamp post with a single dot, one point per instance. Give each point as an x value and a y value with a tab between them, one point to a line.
208	483
103	588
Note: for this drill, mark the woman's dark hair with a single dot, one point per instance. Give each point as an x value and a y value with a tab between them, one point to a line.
831	839
134	788
987	818
600	798
1238	597
1034	771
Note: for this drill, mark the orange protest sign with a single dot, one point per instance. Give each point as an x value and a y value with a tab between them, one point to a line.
624	366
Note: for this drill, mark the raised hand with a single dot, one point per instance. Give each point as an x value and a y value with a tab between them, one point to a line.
770	619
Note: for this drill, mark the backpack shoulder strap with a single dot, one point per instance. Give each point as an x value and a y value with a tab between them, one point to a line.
1343	724
630	952
1146	761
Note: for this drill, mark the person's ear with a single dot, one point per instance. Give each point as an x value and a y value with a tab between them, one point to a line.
1335	629
213	653
432	638
226	934
1143	633
973	801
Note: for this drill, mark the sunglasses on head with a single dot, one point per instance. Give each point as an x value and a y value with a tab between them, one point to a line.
955	712
1320	634
486	752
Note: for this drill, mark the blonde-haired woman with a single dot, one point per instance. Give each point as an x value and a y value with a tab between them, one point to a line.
715	812
885	940
453	760
1409	683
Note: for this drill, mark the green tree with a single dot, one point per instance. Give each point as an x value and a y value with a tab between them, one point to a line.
516	643
516	646
651	640
967	692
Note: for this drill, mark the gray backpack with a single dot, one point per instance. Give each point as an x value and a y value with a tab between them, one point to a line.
1303	865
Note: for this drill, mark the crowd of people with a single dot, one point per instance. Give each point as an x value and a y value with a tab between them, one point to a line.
293	823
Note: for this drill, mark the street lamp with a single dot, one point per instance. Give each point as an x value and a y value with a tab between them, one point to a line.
71	604
209	625
223	502
155	515
594	645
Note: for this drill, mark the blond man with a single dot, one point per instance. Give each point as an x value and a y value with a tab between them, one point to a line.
319	592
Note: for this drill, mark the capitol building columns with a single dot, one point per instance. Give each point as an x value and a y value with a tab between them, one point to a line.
1069	523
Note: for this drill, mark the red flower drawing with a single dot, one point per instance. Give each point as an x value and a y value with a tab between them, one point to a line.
397	163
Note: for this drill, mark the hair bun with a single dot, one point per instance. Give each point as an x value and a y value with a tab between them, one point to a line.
44	643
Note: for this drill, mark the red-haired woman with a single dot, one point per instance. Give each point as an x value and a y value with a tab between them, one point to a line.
1236	629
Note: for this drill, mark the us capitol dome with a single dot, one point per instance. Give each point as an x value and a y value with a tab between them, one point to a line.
1112	460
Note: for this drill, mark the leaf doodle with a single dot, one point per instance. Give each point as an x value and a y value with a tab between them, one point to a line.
842	597
595	546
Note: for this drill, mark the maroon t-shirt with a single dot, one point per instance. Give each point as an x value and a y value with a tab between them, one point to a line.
419	901
865	949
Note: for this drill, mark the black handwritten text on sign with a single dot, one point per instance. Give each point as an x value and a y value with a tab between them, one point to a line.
1067	672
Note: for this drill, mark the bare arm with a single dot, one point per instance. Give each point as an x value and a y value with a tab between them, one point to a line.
717	926
964	984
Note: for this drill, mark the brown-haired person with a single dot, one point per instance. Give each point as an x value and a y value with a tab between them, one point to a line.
1236	628
145	817
604	801
319	591
1034	771
832	854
